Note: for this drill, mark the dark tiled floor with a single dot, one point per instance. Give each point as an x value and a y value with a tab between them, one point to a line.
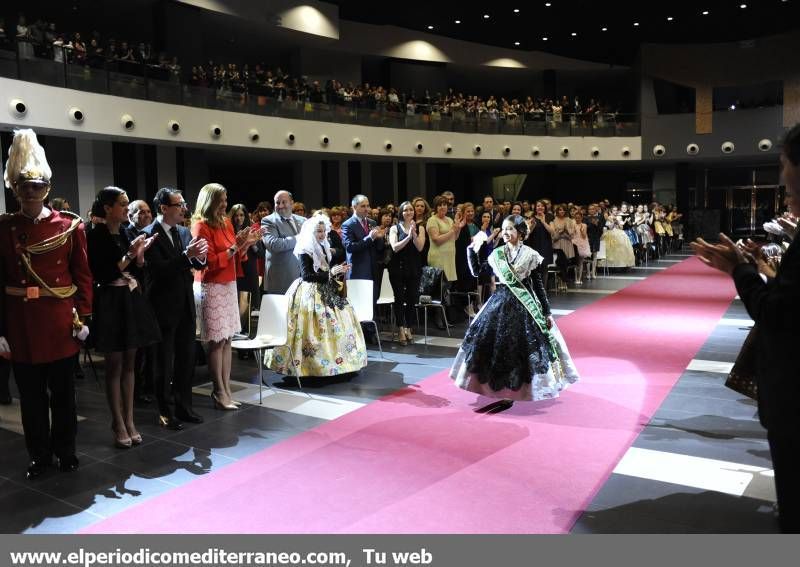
700	418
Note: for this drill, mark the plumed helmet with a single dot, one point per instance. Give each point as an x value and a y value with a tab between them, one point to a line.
26	160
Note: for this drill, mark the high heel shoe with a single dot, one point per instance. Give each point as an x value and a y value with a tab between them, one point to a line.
409	335
121	442
220	406
401	336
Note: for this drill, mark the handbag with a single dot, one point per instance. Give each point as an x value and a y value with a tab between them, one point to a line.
742	377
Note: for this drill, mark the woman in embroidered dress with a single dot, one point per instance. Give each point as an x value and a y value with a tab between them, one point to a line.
324	337
513	349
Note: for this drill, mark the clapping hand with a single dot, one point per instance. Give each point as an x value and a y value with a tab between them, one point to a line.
789	226
198	247
340	269
724	256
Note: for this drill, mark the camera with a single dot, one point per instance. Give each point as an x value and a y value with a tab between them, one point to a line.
173	127
254	135
127	122
659	150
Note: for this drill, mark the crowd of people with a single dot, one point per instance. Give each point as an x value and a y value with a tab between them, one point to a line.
43	39
135	287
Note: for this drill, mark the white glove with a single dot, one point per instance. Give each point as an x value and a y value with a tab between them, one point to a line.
82	334
5	349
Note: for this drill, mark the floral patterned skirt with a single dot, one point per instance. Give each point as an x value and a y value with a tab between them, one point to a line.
324	339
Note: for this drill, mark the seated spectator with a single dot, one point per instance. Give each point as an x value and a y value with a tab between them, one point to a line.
325	337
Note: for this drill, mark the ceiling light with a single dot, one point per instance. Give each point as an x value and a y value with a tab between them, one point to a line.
604	29
516	10
547	4
544	39
430	27
705	12
743	6
574	34
635	23
458	21
486	16
516	43
670	18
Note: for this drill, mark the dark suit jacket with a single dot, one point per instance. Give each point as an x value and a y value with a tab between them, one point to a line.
169	276
362	252
775	307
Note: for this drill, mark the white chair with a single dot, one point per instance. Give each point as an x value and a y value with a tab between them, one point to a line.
272	331
386	296
359	294
601	257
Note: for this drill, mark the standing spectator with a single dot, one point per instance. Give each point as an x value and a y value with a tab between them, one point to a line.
219	316
24	45
123	320
407	240
466	281
280	230
248	281
139	217
443	232
39	325
774	305
422	212
594	229
540	238
170	262
363	241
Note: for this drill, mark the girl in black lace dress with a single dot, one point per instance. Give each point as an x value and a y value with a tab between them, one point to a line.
513	349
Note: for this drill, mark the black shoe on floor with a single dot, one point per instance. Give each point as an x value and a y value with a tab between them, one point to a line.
169	422
188	416
36	468
68	464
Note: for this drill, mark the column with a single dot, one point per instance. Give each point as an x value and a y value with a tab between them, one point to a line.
94	170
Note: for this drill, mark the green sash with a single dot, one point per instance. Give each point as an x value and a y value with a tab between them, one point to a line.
528	299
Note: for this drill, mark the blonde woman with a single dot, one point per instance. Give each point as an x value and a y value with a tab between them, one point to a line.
219	312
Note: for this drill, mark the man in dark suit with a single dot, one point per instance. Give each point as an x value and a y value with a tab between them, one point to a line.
169	287
774	305
280	230
363	241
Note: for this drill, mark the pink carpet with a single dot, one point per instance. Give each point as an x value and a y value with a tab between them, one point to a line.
421	461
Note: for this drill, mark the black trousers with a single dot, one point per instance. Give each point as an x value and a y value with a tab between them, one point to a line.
175	359
785	451
44	389
405	284
144	369
5	374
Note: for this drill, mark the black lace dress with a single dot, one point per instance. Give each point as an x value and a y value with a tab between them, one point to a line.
504	353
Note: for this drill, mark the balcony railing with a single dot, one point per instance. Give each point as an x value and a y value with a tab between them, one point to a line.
137	80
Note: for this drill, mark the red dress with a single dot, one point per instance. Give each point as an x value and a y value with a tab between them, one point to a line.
40	330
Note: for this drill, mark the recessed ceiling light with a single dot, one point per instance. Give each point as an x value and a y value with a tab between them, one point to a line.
516	10
574	34
544	39
486	16
458	21
705	12
604	29
430	27
516	43
547	4
635	23
670	18
743	6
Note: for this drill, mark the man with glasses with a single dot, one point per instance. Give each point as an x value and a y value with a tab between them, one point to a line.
169	264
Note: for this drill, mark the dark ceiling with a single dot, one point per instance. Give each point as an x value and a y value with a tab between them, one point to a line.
619	44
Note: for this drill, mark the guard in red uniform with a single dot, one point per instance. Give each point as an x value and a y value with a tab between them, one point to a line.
45	291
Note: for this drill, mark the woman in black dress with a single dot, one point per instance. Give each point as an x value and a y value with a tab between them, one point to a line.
407	240
123	318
